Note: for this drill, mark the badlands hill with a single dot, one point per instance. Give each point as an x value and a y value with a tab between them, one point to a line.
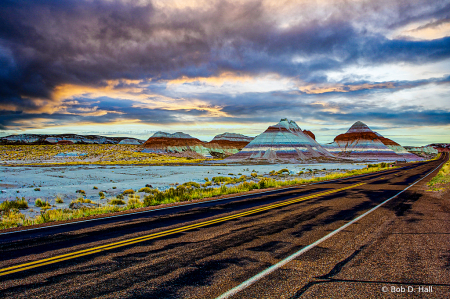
221	146
22	139
423	151
361	143
283	142
398	149
441	147
310	134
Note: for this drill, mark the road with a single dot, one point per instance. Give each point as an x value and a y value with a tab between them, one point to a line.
203	251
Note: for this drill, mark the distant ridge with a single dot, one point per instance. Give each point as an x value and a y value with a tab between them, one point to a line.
173	135
23	139
232	137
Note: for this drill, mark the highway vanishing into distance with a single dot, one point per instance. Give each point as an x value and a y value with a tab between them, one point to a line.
300	242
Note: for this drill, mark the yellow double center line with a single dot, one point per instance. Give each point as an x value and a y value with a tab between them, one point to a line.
76	254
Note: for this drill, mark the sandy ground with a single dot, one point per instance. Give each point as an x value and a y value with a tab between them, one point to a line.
64	181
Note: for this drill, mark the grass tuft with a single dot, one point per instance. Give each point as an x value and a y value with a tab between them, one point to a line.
19	204
41	203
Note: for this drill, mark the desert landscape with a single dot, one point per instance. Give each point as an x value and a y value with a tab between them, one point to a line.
224	149
60	177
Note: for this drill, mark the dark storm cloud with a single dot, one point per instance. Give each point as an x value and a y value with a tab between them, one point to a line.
44	44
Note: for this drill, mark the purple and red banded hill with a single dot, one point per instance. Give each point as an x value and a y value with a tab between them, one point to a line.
221	146
283	142
361	143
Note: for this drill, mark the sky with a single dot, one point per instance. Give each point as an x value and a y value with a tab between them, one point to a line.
131	68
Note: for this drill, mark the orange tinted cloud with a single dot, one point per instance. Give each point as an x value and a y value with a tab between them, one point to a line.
430	31
213	80
325	88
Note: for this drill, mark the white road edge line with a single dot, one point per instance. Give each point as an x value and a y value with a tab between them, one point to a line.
173	207
293	256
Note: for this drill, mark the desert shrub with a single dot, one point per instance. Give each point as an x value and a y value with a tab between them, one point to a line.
283	171
101	194
134	203
206	180
82	192
254	174
37	189
263	183
207	184
19	204
119	196
191	184
150	200
145	189
12	218
41	204
128	191
116	201
221	179
83	200
79	200
95	187
59	200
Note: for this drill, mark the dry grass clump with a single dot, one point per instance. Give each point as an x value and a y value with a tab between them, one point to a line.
12	218
82	192
146	190
134	202
442	180
116	201
191	184
41	203
128	191
81	200
227	180
19	204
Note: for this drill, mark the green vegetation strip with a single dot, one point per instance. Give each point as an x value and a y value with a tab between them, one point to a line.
128	200
85	154
442	180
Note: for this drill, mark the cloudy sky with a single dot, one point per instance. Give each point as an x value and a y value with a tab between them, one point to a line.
129	68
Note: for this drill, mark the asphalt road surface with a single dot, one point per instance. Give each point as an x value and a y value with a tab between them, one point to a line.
400	249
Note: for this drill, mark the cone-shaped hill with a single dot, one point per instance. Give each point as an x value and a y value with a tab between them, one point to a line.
176	142
227	144
284	141
398	149
361	143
